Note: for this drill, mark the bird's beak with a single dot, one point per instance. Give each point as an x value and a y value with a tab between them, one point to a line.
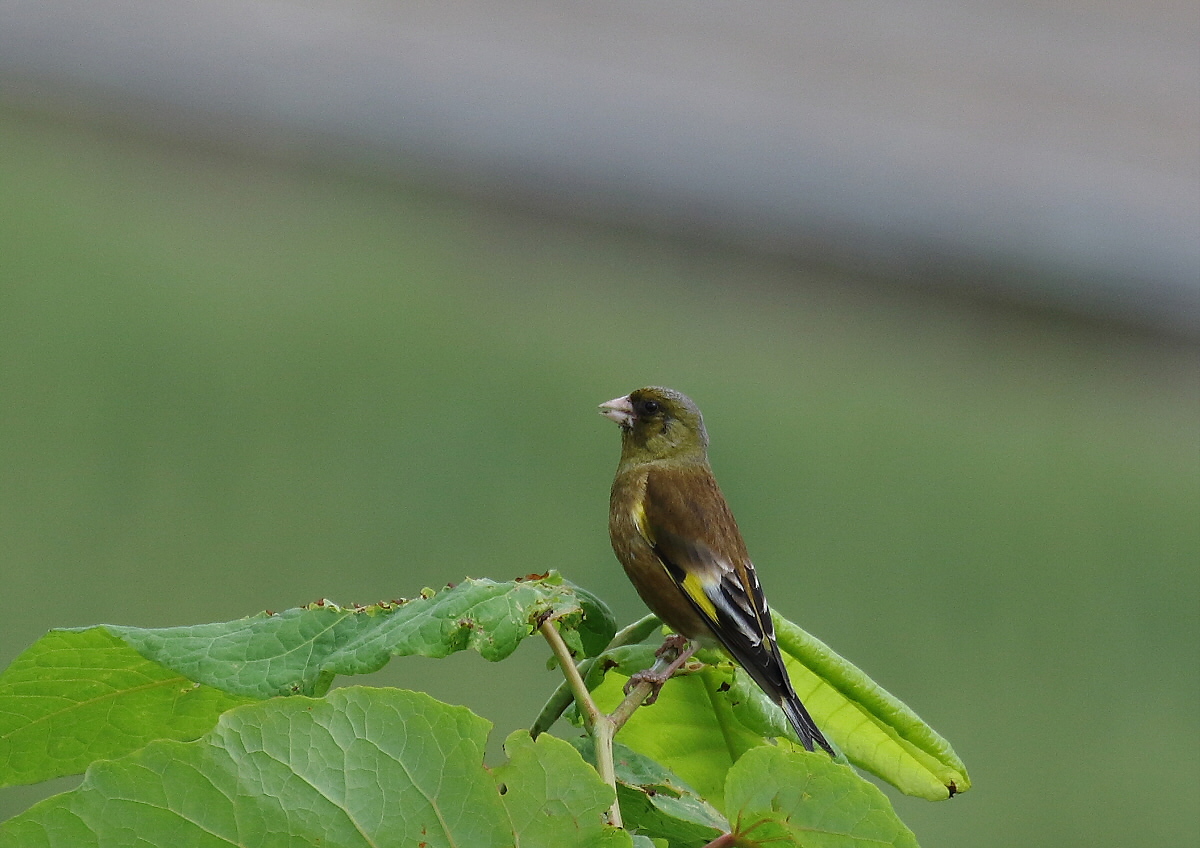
619	410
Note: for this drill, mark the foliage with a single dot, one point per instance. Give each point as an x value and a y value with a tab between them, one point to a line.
228	733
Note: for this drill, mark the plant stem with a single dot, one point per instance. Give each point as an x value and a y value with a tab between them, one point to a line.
578	688
597	723
602	728
638	694
563	695
602	741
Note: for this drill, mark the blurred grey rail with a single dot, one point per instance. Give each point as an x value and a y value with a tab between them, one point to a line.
1046	153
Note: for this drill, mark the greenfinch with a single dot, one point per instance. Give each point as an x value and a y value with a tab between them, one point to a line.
681	548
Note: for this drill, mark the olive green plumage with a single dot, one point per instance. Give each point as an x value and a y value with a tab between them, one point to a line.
681	548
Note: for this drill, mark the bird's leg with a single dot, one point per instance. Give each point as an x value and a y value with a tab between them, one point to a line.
674	644
682	648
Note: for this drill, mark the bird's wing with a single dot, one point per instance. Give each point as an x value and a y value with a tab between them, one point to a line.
692	531
685	519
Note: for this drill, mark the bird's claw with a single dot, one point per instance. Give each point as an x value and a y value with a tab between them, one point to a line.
655	679
681	648
673	644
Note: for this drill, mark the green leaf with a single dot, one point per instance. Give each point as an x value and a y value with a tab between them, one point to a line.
362	767
626	660
300	651
599	625
554	799
802	798
78	696
873	728
755	710
690	729
656	802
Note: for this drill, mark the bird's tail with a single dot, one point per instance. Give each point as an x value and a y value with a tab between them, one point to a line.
806	728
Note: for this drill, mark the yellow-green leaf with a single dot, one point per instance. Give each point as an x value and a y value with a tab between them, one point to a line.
873	728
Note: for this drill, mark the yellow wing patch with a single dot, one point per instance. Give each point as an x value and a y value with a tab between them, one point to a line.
639	519
693	585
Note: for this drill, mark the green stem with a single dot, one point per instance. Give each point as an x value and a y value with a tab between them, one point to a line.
563	695
598	725
574	681
637	695
602	740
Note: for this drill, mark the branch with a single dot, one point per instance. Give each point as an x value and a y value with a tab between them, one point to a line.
597	724
557	704
574	682
600	727
638	694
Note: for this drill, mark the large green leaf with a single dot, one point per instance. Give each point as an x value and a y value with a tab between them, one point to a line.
703	722
300	651
86	694
78	696
874	728
780	797
361	767
553	797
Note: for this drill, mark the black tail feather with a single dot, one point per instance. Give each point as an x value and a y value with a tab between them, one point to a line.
806	728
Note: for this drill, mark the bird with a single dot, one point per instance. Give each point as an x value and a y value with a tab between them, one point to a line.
674	534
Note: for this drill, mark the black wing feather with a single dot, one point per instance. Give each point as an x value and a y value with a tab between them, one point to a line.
742	624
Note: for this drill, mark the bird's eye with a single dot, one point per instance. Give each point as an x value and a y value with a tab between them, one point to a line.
649	407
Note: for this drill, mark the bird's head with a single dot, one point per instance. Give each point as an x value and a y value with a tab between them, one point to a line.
658	424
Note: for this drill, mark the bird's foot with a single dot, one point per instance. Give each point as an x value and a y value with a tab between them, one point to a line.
674	644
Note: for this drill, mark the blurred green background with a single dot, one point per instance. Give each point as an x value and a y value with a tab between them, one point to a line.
229	385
